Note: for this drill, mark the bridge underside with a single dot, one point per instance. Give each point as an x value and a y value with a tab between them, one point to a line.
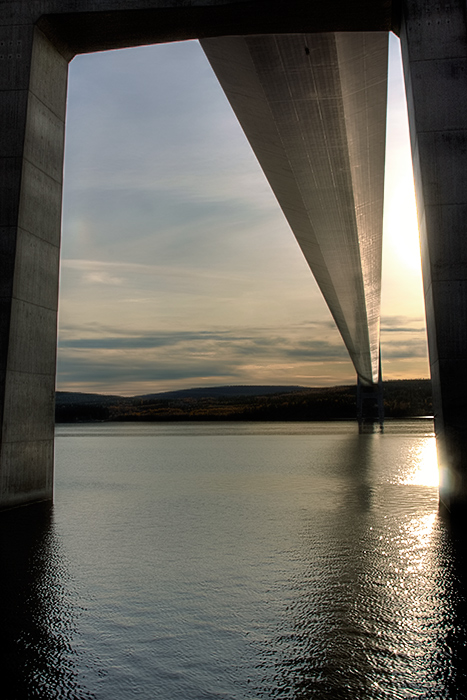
313	107
308	85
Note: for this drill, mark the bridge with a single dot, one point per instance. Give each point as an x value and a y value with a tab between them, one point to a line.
307	82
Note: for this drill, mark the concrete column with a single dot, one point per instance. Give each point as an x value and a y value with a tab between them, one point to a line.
32	119
434	50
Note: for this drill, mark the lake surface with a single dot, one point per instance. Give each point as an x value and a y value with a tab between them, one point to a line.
236	561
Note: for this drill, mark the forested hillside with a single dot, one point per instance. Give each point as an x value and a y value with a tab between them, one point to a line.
410	397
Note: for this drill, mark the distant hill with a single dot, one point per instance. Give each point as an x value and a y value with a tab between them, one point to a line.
410	397
76	398
217	391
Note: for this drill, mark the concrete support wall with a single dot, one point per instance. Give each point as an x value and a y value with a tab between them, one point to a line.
434	49
32	119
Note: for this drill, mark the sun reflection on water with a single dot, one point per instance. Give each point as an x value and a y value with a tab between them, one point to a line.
422	465
417	536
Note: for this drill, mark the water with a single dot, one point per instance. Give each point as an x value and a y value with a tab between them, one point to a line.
235	561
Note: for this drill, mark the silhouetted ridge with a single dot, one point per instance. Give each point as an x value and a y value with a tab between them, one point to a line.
215	391
410	397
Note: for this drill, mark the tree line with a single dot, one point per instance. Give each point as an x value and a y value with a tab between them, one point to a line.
402	398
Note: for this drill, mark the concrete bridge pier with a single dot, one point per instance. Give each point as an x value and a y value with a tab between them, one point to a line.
370	404
32	118
434	49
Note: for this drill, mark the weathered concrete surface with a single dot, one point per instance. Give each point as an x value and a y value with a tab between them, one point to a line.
32	107
313	107
94	25
434	49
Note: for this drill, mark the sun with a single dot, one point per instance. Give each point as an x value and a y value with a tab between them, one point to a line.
401	225
400	211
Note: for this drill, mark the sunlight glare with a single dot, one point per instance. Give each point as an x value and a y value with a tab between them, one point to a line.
400	211
402	226
424	465
415	551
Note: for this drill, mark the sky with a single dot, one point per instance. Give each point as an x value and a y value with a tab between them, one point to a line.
178	267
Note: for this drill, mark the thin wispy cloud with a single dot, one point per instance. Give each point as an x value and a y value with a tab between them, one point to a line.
97	267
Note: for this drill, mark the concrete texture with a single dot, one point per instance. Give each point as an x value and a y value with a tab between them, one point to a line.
32	104
94	25
434	47
312	102
313	107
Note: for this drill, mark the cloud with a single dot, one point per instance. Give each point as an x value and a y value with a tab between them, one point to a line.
112	358
401	329
403	338
294	341
90	268
106	371
221	355
146	341
407	350
158	170
102	278
402	324
150	131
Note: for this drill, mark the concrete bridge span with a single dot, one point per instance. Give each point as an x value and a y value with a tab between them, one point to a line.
308	84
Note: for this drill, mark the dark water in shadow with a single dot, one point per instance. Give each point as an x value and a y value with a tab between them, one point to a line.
38	609
235	561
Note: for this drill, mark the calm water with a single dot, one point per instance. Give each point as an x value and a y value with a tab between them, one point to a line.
235	561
